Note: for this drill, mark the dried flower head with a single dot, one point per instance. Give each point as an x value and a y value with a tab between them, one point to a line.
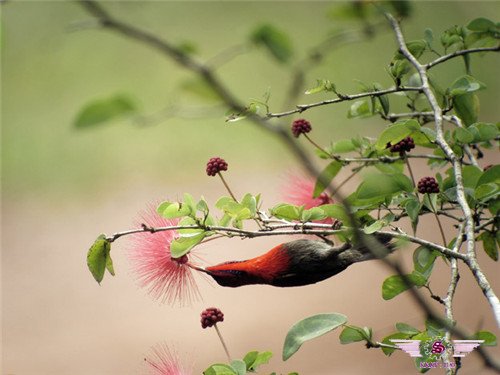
211	316
301	126
215	165
167	279
428	185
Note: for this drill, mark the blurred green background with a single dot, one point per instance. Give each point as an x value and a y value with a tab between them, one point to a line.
61	185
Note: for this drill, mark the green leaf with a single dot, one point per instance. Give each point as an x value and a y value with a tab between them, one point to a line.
406	328
481	25
254	359
239	366
489	338
359	109
183	245
423	260
412	208
463	135
342	146
103	110
464	85
321	85
308	329
383	185
98	258
483	132
489	244
352	334
490	175
384	103
394	285
325	177
286	211
335	211
250	202
487	191
467	108
223	202
275	40
220	369
394	336
170	210
375	226
313	214
394	133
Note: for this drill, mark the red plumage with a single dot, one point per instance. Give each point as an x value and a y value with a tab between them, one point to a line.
294	263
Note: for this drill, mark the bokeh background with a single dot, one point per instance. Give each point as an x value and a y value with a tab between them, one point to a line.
62	186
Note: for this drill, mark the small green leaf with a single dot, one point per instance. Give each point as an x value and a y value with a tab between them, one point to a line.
383	185
352	334
359	109
254	359
394	285
484	132
464	85
103	110
321	85
490	175
375	226
313	214
481	25
250	202
220	369
467	108
275	40
489	338
170	210
394	133
463	135
387	341
310	328
412	208
183	245
342	146
423	260
406	328
489	244
326	176
239	366
486	192
335	211
98	258
286	211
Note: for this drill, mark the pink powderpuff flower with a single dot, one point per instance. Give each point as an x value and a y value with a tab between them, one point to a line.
166	279
298	190
163	361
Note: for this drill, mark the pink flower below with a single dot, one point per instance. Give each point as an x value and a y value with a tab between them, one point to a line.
167	279
299	191
163	361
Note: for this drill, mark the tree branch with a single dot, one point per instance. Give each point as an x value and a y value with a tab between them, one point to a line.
444	58
462	201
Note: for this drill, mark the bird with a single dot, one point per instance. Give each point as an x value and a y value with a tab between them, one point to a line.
296	263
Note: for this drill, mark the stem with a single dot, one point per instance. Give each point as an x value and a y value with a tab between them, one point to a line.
411	173
222	342
227	186
318	146
437	219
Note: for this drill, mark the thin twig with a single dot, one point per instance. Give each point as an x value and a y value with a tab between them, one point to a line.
444	58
